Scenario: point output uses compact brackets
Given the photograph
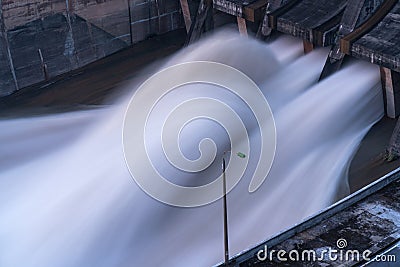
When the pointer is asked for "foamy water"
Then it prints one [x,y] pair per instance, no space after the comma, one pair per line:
[67,198]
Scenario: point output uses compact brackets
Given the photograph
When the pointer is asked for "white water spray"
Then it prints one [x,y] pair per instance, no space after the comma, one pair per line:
[67,199]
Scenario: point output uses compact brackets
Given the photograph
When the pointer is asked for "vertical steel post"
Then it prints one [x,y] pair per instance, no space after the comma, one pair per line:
[226,244]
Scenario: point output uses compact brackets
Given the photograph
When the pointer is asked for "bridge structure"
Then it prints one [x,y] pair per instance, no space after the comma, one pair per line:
[364,29]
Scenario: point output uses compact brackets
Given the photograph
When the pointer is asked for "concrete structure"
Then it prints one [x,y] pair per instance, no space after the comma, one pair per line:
[364,29]
[39,40]
[368,220]
[354,15]
[252,11]
[377,41]
[42,39]
[313,21]
[202,19]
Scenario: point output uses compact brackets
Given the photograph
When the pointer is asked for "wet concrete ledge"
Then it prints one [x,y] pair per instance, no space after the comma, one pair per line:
[368,219]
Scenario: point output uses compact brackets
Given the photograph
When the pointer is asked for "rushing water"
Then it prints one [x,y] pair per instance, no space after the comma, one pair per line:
[67,198]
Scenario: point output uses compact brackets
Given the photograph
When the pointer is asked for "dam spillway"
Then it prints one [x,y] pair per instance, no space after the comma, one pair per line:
[102,215]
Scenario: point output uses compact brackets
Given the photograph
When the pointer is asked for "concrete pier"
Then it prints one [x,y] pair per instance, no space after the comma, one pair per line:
[313,21]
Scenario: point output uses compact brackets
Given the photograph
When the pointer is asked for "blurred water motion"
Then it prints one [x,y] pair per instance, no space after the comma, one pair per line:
[67,198]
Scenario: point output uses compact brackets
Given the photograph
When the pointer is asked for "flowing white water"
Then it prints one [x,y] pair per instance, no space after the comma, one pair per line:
[67,199]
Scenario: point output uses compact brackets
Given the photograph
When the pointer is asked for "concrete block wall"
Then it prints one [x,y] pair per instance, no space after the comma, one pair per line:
[72,33]
[7,81]
[154,17]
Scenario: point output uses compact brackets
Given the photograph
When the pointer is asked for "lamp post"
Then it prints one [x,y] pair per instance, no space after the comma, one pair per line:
[225,207]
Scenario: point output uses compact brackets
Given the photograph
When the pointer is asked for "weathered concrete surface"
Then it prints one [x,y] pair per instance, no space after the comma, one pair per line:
[95,84]
[381,44]
[110,16]
[17,13]
[7,83]
[203,21]
[355,14]
[390,81]
[232,7]
[251,10]
[73,33]
[73,43]
[7,75]
[154,17]
[367,220]
[368,8]
[393,149]
[311,20]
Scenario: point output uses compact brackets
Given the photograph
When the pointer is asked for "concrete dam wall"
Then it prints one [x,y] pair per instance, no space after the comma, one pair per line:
[40,39]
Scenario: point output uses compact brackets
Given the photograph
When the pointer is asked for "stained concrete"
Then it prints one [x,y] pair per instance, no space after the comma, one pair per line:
[96,84]
[381,45]
[73,33]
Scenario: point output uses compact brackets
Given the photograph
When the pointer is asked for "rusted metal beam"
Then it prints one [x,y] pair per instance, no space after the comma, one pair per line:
[242,26]
[308,46]
[391,91]
[186,14]
[255,11]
